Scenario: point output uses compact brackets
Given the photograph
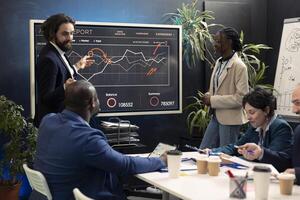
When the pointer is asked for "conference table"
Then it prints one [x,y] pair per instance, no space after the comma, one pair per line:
[193,186]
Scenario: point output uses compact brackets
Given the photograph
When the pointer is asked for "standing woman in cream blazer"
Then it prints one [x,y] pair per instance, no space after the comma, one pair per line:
[228,85]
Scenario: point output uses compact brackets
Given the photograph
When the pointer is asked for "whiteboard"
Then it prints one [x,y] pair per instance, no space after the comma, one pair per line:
[288,66]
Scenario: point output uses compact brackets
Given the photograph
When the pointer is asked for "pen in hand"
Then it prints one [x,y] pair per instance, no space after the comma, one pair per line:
[248,151]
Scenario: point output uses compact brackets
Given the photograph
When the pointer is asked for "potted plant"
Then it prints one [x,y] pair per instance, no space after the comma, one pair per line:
[18,141]
[256,68]
[195,32]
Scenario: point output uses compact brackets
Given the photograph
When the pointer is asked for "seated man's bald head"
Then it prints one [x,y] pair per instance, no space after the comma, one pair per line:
[79,95]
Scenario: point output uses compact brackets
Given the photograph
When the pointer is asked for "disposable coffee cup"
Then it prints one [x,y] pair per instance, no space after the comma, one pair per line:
[174,160]
[202,164]
[213,165]
[286,182]
[261,176]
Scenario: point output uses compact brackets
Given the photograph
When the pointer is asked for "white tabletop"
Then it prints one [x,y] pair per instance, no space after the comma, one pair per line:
[191,185]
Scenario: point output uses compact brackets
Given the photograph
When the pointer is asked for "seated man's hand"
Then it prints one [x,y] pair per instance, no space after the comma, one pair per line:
[250,151]
[164,158]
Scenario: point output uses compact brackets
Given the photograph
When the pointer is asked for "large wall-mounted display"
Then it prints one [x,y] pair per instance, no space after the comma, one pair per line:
[137,67]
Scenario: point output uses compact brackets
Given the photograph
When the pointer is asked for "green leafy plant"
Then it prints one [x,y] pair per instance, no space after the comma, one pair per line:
[256,68]
[20,140]
[198,117]
[195,32]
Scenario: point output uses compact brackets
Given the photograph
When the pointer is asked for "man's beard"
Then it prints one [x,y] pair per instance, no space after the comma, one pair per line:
[65,46]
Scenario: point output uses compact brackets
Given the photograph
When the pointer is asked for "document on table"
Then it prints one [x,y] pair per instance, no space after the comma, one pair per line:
[246,163]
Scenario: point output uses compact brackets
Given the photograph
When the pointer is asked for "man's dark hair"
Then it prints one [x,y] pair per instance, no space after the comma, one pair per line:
[78,95]
[261,99]
[233,35]
[51,25]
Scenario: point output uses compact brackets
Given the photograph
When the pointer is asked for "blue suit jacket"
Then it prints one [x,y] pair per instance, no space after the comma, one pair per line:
[296,151]
[72,154]
[50,75]
[277,144]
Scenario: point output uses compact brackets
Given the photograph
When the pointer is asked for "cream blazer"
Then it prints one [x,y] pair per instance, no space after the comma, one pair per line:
[233,85]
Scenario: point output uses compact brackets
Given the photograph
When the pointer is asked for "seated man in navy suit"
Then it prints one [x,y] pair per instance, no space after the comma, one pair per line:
[296,149]
[72,154]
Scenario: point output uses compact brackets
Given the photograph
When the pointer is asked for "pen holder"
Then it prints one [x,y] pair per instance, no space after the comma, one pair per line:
[237,187]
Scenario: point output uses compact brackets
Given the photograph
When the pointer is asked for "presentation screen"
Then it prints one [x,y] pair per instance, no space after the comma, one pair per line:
[137,69]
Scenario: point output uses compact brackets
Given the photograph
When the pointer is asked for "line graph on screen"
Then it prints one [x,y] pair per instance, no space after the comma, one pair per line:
[125,65]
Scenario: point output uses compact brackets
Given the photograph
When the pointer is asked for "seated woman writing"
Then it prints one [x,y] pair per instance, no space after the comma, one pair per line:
[268,138]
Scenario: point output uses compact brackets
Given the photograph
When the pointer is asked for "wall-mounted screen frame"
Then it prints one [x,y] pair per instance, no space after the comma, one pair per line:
[137,69]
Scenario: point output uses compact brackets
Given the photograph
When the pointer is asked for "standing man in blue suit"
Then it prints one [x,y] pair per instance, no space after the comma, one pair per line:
[72,154]
[53,70]
[296,149]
